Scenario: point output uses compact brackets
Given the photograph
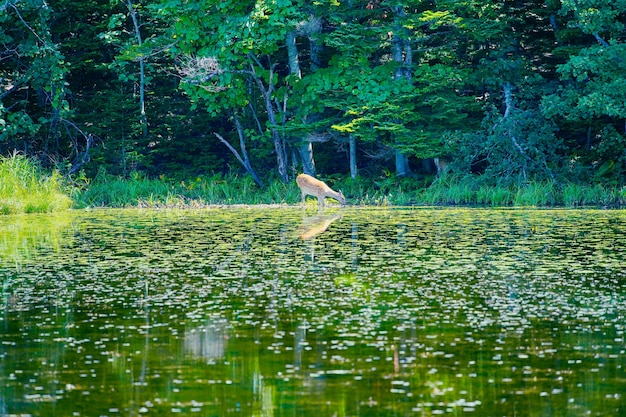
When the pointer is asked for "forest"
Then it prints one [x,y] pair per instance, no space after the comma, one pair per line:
[504,93]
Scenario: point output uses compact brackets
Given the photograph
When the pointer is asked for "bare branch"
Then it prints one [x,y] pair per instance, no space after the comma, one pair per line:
[230,147]
[310,27]
[243,156]
[81,158]
[319,137]
[198,70]
[383,152]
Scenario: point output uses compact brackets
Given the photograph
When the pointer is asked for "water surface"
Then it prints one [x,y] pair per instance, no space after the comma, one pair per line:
[277,312]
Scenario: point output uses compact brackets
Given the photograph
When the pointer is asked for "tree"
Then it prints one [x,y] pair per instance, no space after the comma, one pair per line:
[242,155]
[509,89]
[593,87]
[33,101]
[136,35]
[242,39]
[391,80]
[506,45]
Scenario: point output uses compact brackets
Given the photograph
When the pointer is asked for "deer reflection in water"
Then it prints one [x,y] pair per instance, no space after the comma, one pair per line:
[315,225]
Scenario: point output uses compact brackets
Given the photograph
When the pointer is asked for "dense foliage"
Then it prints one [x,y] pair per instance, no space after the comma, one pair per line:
[509,91]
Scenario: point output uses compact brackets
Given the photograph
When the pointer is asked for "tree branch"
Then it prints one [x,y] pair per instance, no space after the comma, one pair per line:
[81,158]
[244,163]
[600,40]
[230,147]
[19,15]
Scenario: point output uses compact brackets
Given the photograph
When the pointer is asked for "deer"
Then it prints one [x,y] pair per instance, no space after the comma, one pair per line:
[312,186]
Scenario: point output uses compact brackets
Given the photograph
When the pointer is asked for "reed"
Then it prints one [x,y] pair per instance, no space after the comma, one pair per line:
[25,188]
[577,195]
[449,190]
[494,196]
[536,194]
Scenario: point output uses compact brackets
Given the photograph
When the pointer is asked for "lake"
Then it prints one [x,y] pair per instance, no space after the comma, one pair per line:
[284,312]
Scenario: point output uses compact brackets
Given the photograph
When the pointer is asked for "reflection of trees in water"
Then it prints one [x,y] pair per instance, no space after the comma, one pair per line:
[208,342]
[402,317]
[3,406]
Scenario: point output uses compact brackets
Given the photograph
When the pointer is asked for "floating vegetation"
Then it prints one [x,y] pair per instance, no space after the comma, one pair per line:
[383,312]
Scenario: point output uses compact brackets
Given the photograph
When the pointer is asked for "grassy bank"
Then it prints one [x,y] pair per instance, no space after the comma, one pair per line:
[139,191]
[25,188]
[469,191]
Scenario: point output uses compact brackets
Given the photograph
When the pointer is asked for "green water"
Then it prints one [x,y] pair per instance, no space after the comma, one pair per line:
[276,312]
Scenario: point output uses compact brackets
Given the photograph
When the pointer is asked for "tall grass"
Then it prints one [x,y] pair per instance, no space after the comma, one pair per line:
[490,196]
[450,190]
[110,191]
[25,188]
[467,190]
[536,194]
[139,191]
[575,195]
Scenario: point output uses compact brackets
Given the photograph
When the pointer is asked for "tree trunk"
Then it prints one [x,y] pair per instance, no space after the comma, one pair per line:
[266,92]
[508,103]
[315,50]
[305,149]
[402,55]
[306,155]
[442,166]
[315,45]
[142,72]
[281,160]
[402,164]
[353,168]
[292,54]
[245,162]
[244,152]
